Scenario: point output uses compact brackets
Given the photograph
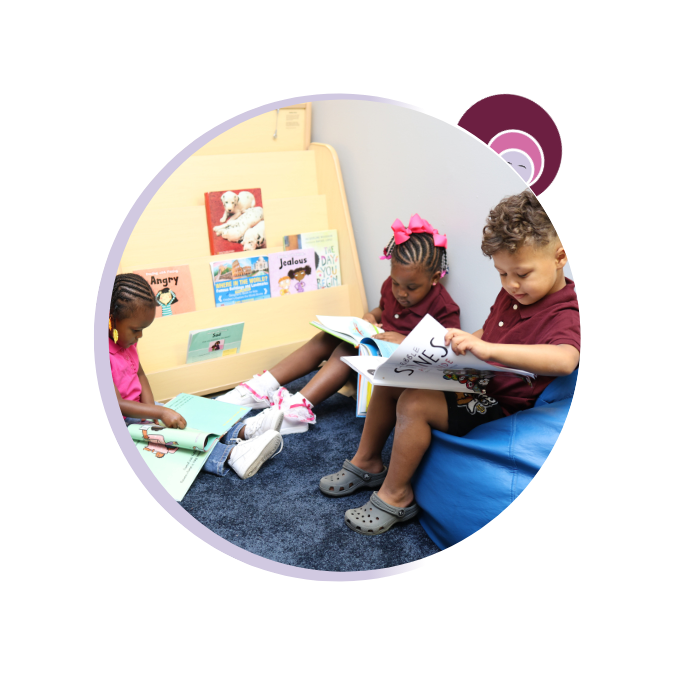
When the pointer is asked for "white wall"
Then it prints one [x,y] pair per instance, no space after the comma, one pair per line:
[397,162]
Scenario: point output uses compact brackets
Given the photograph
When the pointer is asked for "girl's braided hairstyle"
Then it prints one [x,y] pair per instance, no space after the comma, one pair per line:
[128,291]
[419,250]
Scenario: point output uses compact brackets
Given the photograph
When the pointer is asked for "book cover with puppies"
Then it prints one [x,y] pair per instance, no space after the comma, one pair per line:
[292,272]
[235,220]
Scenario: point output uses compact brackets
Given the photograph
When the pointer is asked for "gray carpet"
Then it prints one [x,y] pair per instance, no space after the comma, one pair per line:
[281,514]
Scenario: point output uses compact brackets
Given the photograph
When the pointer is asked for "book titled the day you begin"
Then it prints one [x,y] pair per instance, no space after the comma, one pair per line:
[240,280]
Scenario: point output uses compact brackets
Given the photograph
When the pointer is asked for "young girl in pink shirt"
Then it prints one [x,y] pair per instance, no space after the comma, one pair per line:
[245,447]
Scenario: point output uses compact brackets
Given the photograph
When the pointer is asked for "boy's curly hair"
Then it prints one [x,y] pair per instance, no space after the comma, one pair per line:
[516,221]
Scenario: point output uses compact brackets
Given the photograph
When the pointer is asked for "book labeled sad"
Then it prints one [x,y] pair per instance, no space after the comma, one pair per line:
[423,361]
[235,220]
[219,341]
[174,456]
[172,288]
[292,272]
[240,280]
[327,259]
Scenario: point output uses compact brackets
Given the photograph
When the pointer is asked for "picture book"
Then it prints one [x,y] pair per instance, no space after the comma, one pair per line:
[219,341]
[240,280]
[175,457]
[292,272]
[370,347]
[350,329]
[423,361]
[327,259]
[235,220]
[172,288]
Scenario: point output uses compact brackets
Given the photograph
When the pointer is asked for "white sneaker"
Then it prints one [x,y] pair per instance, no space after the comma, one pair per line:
[298,415]
[255,393]
[248,456]
[270,419]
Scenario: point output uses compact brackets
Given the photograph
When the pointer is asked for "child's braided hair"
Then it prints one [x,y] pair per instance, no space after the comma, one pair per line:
[419,250]
[128,291]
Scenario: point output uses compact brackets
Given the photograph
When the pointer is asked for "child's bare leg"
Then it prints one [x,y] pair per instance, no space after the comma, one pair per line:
[306,359]
[331,377]
[418,413]
[380,419]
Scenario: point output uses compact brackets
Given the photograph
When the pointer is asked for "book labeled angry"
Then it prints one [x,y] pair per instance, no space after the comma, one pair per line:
[172,288]
[235,220]
[327,260]
[240,280]
[292,272]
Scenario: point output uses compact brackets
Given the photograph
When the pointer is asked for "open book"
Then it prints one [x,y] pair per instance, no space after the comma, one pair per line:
[422,361]
[370,347]
[350,329]
[176,456]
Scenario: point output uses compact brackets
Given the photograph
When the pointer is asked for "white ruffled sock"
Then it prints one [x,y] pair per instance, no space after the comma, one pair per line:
[269,381]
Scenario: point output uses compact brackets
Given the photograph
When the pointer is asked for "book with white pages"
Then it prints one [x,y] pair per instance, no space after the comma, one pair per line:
[423,361]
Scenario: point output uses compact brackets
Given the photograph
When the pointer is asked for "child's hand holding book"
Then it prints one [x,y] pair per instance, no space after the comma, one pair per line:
[391,337]
[172,419]
[461,342]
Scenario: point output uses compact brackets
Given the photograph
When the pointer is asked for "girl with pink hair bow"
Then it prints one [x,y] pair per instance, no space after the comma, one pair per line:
[418,261]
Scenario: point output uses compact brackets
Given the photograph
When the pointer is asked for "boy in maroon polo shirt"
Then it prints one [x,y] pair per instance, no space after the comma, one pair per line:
[534,325]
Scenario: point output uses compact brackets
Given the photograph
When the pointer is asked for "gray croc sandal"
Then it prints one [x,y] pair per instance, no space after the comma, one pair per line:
[376,516]
[350,479]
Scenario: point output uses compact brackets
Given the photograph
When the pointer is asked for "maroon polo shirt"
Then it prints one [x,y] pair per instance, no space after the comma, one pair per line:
[437,303]
[553,320]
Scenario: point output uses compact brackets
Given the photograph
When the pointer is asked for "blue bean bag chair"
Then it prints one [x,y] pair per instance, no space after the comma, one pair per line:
[465,482]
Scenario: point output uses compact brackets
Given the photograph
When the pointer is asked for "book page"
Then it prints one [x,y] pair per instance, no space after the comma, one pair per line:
[352,326]
[172,438]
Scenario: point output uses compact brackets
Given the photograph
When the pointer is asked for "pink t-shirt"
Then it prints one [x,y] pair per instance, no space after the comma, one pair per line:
[124,366]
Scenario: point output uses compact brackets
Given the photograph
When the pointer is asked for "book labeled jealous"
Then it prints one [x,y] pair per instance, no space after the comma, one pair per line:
[240,280]
[327,260]
[235,220]
[292,272]
[172,288]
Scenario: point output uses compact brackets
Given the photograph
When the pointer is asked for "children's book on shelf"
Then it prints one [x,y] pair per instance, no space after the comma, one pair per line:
[350,329]
[292,272]
[175,456]
[240,280]
[235,220]
[172,287]
[423,361]
[327,258]
[219,341]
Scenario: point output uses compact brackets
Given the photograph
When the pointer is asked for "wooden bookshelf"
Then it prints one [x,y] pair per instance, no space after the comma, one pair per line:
[302,191]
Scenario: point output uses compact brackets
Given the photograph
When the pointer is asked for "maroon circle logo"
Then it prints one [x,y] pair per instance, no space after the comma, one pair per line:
[521,132]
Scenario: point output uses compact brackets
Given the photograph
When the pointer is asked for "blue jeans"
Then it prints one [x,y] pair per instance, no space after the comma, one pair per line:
[217,461]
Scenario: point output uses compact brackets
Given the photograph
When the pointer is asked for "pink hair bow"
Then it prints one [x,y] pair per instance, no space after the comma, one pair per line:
[415,225]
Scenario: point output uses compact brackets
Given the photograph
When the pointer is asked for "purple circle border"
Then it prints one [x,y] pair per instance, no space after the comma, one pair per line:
[109,399]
